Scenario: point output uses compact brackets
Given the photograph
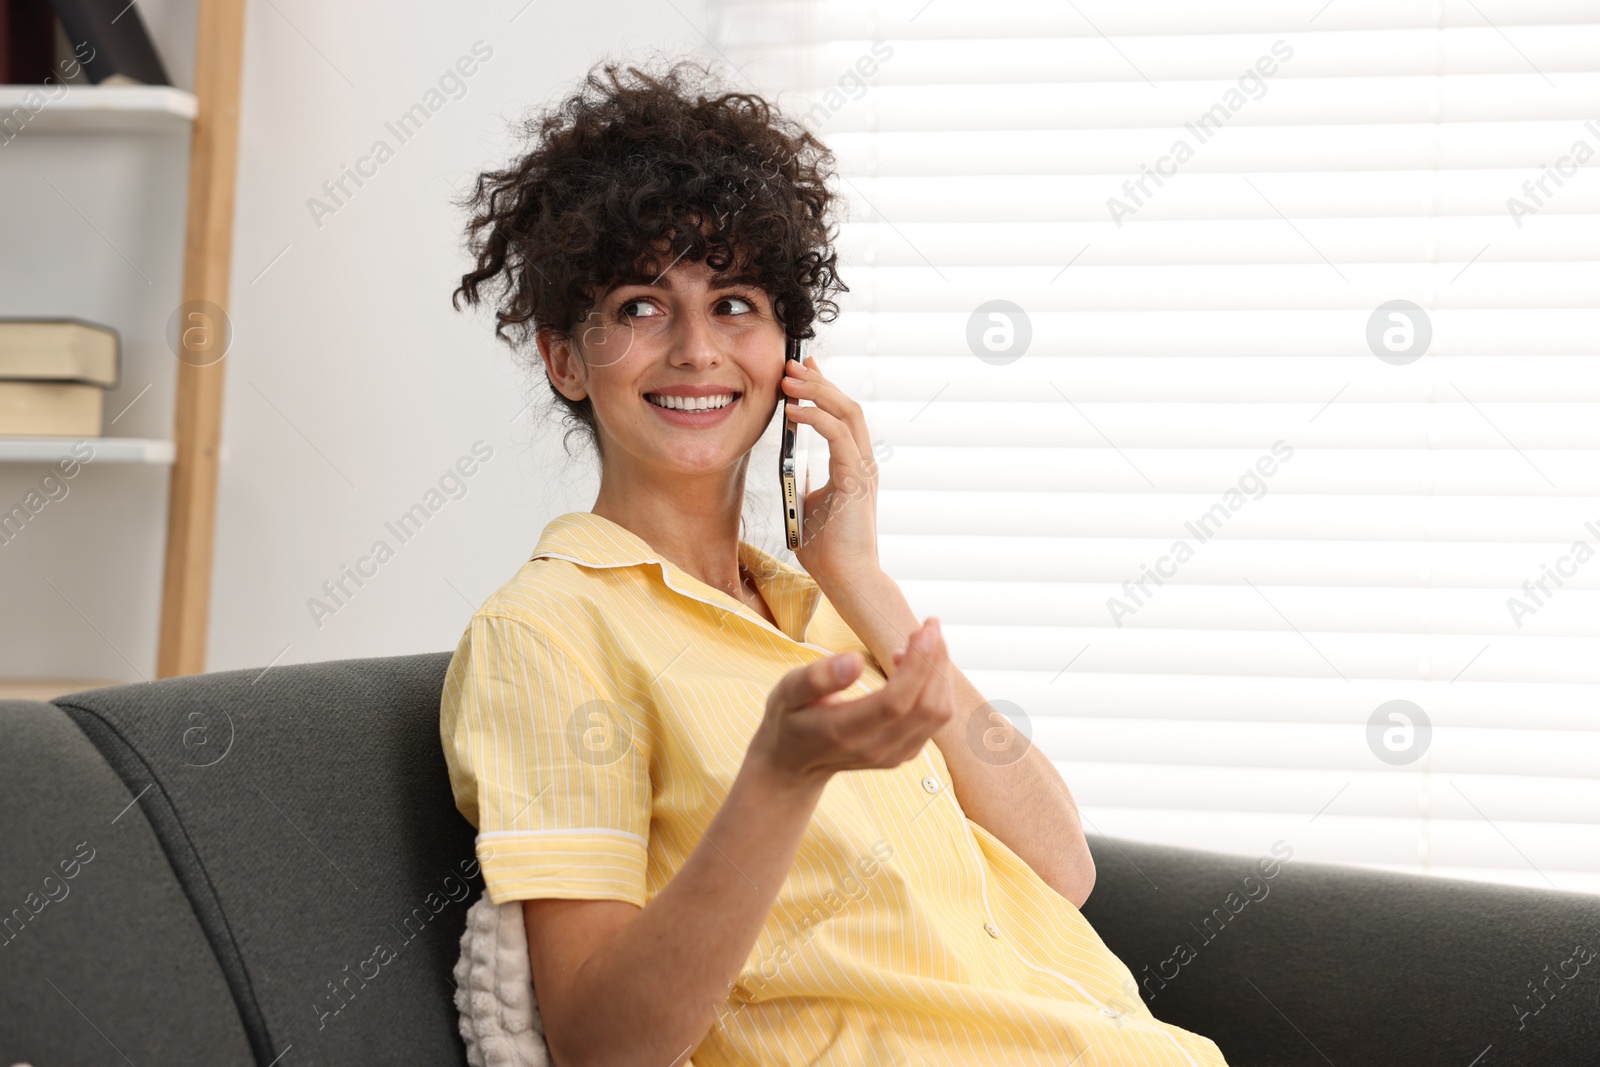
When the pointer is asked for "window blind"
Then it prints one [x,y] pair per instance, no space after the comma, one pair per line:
[1234,370]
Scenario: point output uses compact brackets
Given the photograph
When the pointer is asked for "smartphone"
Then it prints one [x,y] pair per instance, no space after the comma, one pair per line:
[792,459]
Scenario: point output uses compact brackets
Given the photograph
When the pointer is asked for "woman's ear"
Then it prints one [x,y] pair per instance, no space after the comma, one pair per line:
[563,364]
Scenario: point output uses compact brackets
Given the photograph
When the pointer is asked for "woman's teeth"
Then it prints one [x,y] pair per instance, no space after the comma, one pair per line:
[690,403]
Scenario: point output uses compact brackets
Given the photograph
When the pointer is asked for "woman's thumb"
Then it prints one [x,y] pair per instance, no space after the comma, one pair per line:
[817,679]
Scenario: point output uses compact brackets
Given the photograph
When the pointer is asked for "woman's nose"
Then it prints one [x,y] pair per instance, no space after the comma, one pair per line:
[696,344]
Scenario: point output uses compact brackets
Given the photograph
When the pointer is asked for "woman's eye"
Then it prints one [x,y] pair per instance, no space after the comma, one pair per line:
[622,308]
[748,305]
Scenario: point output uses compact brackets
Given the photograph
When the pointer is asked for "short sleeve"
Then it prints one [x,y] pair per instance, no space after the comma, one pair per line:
[546,763]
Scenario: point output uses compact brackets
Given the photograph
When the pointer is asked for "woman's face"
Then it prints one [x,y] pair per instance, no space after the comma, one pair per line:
[682,370]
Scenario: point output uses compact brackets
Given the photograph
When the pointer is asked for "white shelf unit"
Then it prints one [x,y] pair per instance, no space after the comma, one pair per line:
[94,109]
[97,108]
[51,130]
[106,449]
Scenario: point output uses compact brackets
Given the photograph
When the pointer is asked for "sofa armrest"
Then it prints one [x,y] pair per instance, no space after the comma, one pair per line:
[1318,964]
[101,957]
[306,813]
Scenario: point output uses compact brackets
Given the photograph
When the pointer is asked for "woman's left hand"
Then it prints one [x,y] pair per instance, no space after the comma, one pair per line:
[840,536]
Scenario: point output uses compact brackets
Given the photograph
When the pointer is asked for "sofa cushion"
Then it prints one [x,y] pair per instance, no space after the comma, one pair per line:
[101,957]
[307,814]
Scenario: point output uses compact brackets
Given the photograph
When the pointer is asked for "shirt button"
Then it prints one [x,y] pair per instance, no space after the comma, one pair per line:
[931,784]
[1108,1011]
[991,929]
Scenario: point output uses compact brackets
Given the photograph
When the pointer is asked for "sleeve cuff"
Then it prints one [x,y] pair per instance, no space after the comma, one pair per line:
[585,864]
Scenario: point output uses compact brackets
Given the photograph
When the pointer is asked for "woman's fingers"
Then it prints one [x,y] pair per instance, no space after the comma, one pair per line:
[816,680]
[929,660]
[811,725]
[807,383]
[924,643]
[916,662]
[845,440]
[843,451]
[827,395]
[885,711]
[852,477]
[847,478]
[883,728]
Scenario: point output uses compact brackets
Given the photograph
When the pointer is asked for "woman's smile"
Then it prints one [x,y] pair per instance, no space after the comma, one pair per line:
[697,406]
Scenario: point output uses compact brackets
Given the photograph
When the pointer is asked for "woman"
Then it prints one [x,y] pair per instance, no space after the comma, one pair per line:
[707,773]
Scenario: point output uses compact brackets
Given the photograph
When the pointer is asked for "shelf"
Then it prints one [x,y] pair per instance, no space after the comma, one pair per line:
[100,109]
[153,144]
[106,449]
[47,688]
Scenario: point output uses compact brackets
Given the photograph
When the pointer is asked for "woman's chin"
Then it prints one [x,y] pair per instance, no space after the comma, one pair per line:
[692,454]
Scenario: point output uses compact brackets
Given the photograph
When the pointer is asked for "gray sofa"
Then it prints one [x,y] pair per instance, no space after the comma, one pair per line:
[266,868]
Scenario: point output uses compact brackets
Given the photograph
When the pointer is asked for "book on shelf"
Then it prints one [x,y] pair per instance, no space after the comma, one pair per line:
[54,374]
[51,409]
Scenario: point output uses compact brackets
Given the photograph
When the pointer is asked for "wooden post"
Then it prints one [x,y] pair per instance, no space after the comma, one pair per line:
[197,422]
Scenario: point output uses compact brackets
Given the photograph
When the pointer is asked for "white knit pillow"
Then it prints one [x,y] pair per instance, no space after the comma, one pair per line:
[494,989]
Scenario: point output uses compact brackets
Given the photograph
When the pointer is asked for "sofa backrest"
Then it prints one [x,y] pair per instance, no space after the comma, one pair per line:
[307,815]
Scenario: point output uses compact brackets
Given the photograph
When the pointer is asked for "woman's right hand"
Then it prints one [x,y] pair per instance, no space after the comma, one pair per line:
[809,732]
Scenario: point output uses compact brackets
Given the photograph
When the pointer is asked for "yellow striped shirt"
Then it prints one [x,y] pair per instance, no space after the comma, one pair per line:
[593,718]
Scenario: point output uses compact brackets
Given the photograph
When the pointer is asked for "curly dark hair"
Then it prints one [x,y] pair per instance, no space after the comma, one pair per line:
[638,169]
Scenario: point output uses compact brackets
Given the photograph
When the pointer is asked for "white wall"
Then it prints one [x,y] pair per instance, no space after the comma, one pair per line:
[352,385]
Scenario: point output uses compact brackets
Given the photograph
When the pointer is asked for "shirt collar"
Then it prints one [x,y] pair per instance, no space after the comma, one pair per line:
[591,540]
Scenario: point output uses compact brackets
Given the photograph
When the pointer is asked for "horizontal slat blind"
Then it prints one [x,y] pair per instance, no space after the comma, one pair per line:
[1199,291]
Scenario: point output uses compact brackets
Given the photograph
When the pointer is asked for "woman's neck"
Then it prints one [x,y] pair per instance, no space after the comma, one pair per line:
[695,526]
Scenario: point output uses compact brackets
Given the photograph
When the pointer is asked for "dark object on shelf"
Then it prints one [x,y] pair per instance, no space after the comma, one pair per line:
[27,41]
[121,49]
